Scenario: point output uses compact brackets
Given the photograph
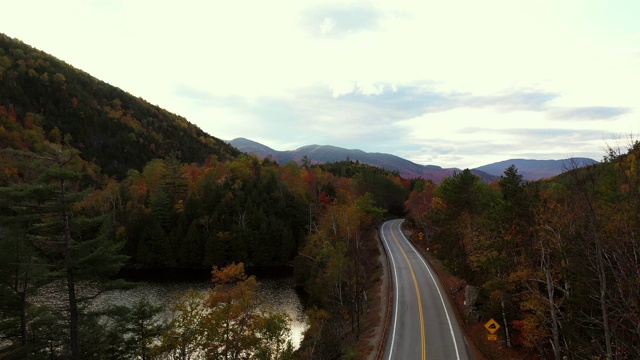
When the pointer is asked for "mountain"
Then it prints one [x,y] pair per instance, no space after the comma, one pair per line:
[327,153]
[530,169]
[536,169]
[110,127]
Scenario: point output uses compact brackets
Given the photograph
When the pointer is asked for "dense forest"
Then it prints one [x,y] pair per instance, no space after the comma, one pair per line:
[557,261]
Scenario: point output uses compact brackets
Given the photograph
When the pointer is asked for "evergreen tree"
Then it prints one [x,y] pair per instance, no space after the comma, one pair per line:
[192,248]
[153,246]
[21,273]
[74,246]
[174,181]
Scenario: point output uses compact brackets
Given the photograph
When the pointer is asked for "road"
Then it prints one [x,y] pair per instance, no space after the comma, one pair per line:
[423,324]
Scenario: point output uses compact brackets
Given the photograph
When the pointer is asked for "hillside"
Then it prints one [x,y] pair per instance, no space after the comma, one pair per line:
[112,128]
[530,169]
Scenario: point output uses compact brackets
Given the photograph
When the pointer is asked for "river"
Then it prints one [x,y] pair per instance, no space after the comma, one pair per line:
[277,292]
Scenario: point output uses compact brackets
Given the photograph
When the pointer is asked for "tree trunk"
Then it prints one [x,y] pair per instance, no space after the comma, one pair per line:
[594,236]
[603,301]
[504,321]
[546,261]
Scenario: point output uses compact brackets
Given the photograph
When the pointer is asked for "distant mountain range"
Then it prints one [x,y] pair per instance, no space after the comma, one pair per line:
[529,169]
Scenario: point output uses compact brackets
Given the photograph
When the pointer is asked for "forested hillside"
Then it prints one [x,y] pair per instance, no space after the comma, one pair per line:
[556,262]
[110,127]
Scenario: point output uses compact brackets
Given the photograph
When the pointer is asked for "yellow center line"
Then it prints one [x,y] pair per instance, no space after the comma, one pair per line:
[415,282]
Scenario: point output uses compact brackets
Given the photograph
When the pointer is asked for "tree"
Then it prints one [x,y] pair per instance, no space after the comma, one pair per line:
[184,336]
[141,327]
[461,201]
[20,275]
[226,323]
[233,308]
[76,246]
[175,181]
[273,342]
[584,191]
[418,205]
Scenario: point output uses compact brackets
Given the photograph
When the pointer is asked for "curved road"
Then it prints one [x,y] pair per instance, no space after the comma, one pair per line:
[423,324]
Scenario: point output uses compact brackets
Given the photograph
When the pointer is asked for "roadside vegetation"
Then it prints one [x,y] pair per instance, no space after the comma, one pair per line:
[555,262]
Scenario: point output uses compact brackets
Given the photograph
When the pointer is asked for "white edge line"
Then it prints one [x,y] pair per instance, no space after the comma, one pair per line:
[395,290]
[455,344]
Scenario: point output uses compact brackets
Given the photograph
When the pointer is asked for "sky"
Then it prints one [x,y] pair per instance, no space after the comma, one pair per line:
[451,83]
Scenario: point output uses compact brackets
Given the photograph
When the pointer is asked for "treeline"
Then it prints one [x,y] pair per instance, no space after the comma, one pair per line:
[67,229]
[556,262]
[194,216]
[112,128]
[338,265]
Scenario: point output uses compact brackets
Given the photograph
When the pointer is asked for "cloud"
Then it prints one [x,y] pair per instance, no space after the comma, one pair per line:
[483,146]
[423,97]
[396,102]
[340,20]
[313,115]
[589,113]
[205,98]
[516,100]
[191,92]
[414,120]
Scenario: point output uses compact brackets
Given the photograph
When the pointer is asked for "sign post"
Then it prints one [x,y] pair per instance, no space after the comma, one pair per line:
[492,326]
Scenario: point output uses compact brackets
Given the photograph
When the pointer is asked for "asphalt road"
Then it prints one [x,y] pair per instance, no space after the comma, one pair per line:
[423,324]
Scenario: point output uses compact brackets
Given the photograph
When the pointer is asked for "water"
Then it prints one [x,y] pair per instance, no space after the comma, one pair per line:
[278,294]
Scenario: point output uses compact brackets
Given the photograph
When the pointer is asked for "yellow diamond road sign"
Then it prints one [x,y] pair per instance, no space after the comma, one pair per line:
[492,326]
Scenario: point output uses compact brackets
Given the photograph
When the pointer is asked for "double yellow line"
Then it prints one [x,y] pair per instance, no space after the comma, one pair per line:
[415,282]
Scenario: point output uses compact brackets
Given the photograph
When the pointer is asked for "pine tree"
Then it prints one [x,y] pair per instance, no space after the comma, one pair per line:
[75,247]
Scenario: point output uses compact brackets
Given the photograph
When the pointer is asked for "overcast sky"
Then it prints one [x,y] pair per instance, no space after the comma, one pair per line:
[451,83]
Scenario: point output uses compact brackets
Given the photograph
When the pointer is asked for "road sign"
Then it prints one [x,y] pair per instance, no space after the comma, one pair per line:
[492,337]
[492,326]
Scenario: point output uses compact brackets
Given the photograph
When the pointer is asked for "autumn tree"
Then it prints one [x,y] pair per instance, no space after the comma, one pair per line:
[184,335]
[334,262]
[226,322]
[418,205]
